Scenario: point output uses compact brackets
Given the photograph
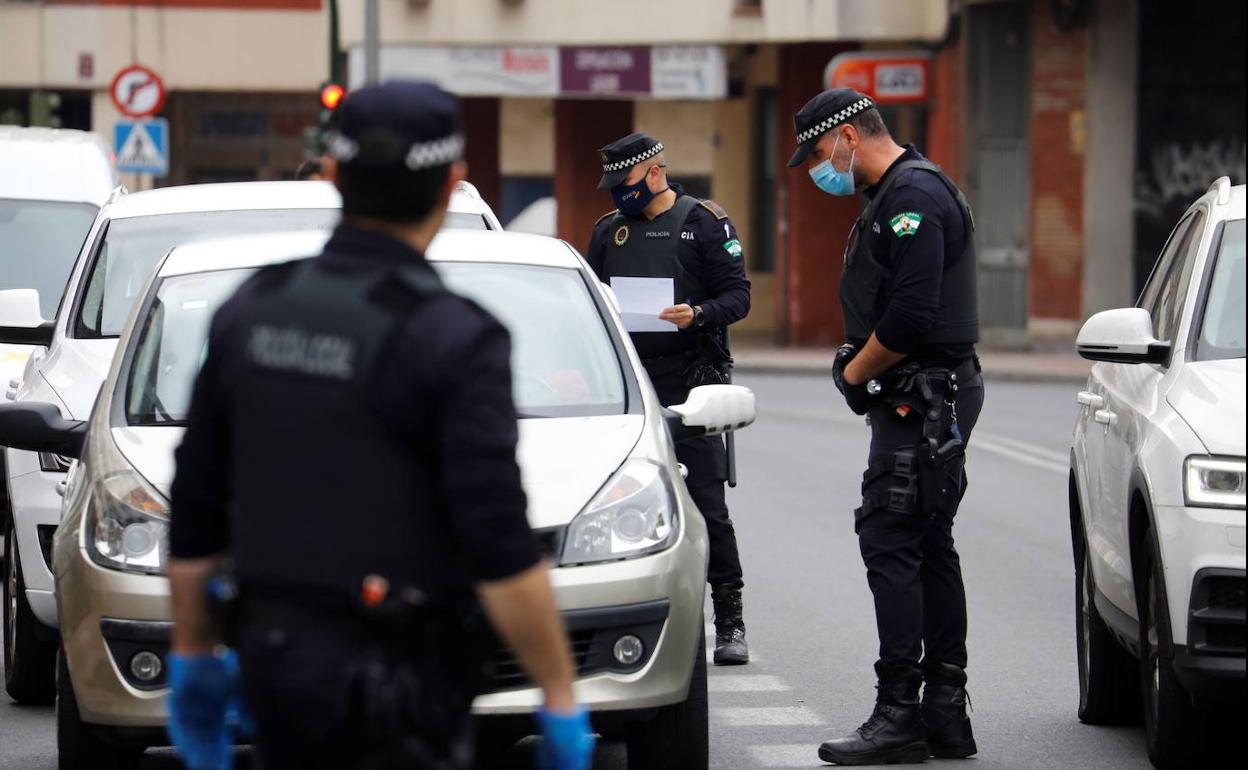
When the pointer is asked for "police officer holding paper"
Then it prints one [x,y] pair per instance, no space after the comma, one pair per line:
[658,233]
[909,364]
[350,455]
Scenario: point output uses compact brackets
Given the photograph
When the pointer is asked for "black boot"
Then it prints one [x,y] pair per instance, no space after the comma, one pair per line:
[894,733]
[944,712]
[730,646]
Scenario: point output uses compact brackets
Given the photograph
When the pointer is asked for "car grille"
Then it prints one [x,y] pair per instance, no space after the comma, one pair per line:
[506,672]
[1217,621]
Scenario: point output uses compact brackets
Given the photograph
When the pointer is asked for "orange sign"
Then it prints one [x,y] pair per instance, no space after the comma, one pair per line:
[888,77]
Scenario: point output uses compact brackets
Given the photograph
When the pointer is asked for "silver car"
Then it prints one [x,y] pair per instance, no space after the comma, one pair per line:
[606,496]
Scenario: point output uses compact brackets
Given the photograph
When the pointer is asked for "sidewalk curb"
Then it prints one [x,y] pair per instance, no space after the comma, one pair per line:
[991,373]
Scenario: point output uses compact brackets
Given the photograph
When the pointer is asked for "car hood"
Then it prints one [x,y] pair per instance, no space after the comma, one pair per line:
[564,461]
[76,370]
[1209,396]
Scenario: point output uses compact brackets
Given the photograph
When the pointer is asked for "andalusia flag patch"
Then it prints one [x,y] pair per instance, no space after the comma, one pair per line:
[906,223]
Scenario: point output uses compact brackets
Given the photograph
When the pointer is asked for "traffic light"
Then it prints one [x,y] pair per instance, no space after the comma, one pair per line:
[331,96]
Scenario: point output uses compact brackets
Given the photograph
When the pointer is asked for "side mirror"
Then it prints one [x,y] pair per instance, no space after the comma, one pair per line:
[37,426]
[21,322]
[711,410]
[1122,336]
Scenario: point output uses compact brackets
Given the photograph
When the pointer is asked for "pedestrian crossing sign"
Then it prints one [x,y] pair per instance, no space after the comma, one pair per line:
[142,146]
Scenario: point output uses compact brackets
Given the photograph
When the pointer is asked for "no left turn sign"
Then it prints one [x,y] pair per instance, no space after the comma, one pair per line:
[137,92]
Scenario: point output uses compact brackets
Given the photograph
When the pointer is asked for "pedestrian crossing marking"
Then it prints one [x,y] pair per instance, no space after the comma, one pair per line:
[745,683]
[787,755]
[767,716]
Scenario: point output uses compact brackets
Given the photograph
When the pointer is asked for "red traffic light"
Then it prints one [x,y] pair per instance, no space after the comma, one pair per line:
[331,95]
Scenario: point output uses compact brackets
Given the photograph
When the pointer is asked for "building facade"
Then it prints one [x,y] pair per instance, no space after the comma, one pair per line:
[1078,128]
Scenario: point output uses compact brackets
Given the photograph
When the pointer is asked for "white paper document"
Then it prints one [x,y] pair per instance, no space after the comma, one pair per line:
[641,301]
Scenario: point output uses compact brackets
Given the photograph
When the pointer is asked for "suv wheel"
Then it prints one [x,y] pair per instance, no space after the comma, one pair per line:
[678,737]
[1170,721]
[80,746]
[29,662]
[1108,693]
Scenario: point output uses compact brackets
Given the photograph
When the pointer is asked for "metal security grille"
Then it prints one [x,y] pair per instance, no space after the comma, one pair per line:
[997,171]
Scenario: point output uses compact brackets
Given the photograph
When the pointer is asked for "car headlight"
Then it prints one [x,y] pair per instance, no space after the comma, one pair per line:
[128,528]
[633,515]
[1215,482]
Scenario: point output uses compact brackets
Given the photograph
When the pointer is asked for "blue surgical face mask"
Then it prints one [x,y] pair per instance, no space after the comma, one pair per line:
[632,199]
[831,181]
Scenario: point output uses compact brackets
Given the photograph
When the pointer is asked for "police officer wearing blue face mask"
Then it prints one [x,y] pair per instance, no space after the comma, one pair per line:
[350,449]
[657,231]
[909,364]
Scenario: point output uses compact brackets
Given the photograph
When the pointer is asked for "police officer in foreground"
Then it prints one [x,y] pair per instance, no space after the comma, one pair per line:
[909,364]
[350,452]
[657,231]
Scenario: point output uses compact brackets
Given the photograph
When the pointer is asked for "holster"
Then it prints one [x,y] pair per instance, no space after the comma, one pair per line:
[929,477]
[711,363]
[407,693]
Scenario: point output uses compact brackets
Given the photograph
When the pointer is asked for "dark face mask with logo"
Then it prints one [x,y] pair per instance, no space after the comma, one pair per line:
[632,199]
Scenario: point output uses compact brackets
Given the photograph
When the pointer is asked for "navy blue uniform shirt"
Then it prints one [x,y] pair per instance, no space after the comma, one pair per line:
[916,259]
[710,250]
[445,389]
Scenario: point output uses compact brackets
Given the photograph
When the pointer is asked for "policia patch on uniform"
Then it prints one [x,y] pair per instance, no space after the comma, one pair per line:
[621,235]
[906,223]
[733,248]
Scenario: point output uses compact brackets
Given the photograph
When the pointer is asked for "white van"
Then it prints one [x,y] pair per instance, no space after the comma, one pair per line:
[52,184]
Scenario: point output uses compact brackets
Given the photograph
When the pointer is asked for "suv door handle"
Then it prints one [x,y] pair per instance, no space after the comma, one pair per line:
[1105,417]
[1090,399]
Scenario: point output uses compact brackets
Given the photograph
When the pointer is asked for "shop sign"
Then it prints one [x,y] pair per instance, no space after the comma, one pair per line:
[662,72]
[889,77]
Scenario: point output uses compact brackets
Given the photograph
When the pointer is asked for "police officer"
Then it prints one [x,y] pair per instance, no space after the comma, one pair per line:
[657,231]
[908,296]
[350,449]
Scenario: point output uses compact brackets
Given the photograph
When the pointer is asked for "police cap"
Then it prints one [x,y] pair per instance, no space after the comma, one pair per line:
[408,123]
[619,157]
[824,113]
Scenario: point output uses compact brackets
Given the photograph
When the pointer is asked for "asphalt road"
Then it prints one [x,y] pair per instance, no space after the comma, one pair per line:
[808,610]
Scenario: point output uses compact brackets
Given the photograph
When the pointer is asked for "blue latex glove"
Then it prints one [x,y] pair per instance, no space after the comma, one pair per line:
[205,698]
[567,740]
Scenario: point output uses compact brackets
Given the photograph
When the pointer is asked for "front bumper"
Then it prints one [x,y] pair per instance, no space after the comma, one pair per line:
[1203,555]
[36,508]
[107,616]
[612,591]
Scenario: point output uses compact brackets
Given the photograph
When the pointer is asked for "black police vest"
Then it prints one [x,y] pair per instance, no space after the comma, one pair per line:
[649,249]
[865,284]
[323,492]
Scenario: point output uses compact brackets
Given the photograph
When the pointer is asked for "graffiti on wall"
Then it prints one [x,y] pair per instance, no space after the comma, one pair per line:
[1176,173]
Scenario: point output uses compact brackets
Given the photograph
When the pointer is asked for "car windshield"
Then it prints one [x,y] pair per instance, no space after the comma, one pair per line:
[1222,321]
[563,363]
[39,242]
[132,246]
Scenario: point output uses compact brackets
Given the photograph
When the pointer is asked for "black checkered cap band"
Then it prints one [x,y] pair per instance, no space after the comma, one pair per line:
[835,120]
[419,156]
[633,161]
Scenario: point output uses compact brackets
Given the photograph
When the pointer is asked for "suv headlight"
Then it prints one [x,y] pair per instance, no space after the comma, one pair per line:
[633,515]
[1214,482]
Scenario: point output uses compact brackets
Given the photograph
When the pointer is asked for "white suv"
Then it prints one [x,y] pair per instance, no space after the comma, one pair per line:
[1157,491]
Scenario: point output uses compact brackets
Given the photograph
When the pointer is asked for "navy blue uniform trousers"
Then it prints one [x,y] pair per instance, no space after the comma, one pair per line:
[912,565]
